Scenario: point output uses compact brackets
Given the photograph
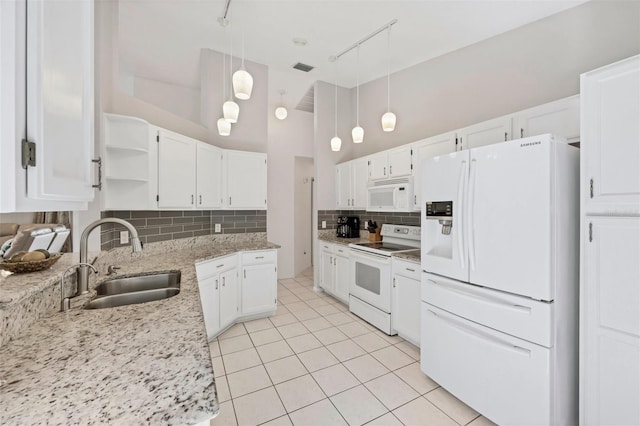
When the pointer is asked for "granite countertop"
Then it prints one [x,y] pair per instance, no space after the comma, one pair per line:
[411,256]
[136,364]
[331,238]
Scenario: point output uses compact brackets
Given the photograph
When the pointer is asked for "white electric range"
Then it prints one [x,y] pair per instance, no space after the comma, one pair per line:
[370,289]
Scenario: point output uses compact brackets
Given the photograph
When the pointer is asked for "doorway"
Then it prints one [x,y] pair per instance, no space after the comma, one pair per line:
[302,214]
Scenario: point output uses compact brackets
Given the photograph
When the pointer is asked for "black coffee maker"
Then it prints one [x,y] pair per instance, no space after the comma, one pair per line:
[348,227]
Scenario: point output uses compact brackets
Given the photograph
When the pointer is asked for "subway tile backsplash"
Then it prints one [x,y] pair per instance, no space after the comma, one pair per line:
[331,216]
[153,226]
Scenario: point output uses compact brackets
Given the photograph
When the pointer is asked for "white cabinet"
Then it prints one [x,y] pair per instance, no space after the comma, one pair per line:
[335,270]
[208,176]
[259,282]
[610,138]
[610,322]
[344,186]
[405,300]
[176,171]
[246,180]
[561,118]
[351,185]
[218,285]
[485,133]
[327,276]
[49,102]
[391,163]
[428,148]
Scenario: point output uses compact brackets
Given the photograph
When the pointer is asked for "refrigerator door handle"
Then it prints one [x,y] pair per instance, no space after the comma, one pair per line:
[470,213]
[460,213]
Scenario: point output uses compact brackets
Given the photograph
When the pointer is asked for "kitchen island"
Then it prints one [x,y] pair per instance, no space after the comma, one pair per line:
[137,364]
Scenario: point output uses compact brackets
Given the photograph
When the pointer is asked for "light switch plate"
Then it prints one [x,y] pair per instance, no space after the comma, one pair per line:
[324,224]
[217,227]
[124,237]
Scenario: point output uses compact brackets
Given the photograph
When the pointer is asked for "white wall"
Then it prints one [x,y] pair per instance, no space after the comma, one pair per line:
[303,181]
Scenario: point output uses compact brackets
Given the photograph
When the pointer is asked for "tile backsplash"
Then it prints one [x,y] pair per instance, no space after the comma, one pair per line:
[164,225]
[331,216]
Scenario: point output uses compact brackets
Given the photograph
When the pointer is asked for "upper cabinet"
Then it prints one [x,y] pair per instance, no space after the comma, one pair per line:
[390,164]
[176,171]
[351,184]
[48,103]
[485,133]
[428,148]
[209,176]
[246,180]
[344,186]
[560,118]
[610,138]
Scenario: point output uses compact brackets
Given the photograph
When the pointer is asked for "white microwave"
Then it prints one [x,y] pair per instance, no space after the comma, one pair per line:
[394,195]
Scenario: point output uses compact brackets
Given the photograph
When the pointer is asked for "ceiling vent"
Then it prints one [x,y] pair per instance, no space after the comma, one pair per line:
[303,67]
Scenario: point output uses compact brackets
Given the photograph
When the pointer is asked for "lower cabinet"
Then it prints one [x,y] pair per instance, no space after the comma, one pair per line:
[335,270]
[228,296]
[405,300]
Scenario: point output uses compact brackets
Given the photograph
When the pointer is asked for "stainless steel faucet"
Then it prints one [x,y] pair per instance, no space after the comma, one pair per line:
[65,302]
[83,271]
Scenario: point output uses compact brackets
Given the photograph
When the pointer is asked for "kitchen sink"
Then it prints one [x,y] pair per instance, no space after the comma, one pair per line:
[134,289]
[139,282]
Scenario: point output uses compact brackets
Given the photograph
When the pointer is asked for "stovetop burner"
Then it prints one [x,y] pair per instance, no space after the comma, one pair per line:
[388,247]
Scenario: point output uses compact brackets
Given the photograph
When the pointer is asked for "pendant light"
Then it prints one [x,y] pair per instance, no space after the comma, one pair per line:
[388,118]
[357,133]
[336,142]
[281,111]
[224,127]
[242,80]
[230,109]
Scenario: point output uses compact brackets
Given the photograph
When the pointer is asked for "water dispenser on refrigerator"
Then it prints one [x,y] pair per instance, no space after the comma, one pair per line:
[437,228]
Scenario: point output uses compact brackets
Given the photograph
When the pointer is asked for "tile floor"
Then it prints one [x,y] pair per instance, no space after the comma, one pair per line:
[314,363]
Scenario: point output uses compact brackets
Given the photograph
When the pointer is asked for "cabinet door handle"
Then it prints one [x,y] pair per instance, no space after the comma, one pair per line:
[410,270]
[200,199]
[259,257]
[223,282]
[521,132]
[216,284]
[415,200]
[98,161]
[394,283]
[384,171]
[245,273]
[191,199]
[220,266]
[229,200]
[390,170]
[505,136]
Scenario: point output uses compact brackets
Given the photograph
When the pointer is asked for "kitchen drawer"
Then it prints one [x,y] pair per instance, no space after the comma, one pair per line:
[341,250]
[258,257]
[208,268]
[325,246]
[506,379]
[518,316]
[406,268]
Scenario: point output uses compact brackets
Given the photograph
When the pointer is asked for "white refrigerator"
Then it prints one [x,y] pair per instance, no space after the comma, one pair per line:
[499,311]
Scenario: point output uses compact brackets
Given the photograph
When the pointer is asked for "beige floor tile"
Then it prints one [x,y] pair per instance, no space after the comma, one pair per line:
[292,330]
[281,310]
[371,342]
[214,349]
[327,310]
[285,300]
[317,302]
[258,407]
[222,389]
[409,349]
[235,344]
[412,375]
[280,421]
[297,306]
[387,420]
[240,360]
[306,314]
[353,329]
[285,369]
[482,421]
[247,381]
[392,357]
[330,335]
[263,337]
[339,318]
[218,366]
[422,412]
[321,413]
[316,324]
[335,379]
[452,406]
[307,295]
[392,391]
[272,351]
[257,325]
[303,343]
[341,307]
[300,392]
[391,339]
[317,359]
[226,415]
[358,405]
[366,368]
[345,350]
[233,331]
[284,319]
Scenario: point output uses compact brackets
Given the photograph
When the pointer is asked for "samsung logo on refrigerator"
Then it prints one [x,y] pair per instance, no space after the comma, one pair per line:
[530,144]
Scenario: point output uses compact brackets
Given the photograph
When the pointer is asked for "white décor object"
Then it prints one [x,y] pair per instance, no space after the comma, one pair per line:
[242,80]
[388,119]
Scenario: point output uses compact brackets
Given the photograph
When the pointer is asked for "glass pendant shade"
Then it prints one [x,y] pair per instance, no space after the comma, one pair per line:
[230,111]
[242,84]
[357,134]
[224,127]
[281,113]
[336,143]
[388,121]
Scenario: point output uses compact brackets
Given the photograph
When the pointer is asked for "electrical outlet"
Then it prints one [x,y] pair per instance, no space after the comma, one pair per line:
[217,228]
[124,237]
[324,224]
[366,224]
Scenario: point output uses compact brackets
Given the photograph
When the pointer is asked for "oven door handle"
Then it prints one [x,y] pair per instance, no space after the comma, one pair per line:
[372,257]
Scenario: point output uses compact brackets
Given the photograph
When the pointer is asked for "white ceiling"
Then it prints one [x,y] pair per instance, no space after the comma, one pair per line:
[161,39]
